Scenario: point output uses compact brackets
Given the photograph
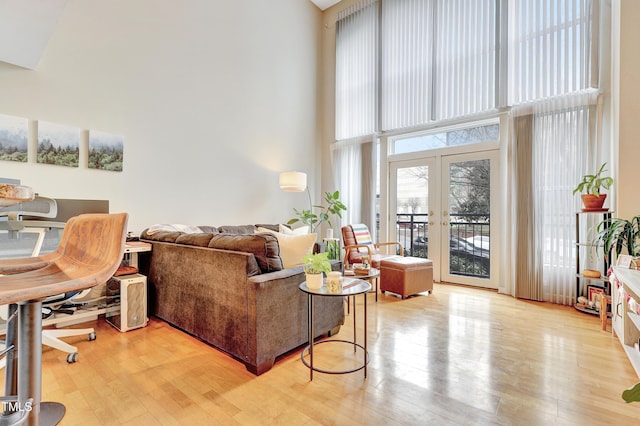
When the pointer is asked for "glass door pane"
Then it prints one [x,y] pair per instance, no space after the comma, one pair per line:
[469,213]
[412,197]
[469,218]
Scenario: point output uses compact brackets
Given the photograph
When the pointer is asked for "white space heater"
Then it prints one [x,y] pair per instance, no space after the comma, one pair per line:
[127,297]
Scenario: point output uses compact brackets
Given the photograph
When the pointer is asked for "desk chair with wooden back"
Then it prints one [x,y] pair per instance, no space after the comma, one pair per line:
[90,251]
[34,217]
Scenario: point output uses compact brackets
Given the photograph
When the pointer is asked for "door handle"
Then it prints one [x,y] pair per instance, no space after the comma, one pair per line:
[445,223]
[430,223]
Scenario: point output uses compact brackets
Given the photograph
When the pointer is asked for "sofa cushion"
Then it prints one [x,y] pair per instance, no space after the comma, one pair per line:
[263,246]
[293,248]
[163,236]
[166,227]
[270,227]
[237,229]
[200,240]
[297,231]
[209,229]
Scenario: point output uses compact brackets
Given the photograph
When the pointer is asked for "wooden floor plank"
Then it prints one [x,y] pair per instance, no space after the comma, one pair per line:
[461,355]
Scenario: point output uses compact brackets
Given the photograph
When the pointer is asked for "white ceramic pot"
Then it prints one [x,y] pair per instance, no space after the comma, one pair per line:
[314,281]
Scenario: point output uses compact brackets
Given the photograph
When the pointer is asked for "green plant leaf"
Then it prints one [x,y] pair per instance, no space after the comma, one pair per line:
[617,234]
[591,183]
[317,263]
[632,394]
[309,217]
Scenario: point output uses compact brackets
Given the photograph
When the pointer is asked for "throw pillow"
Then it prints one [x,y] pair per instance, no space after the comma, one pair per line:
[298,231]
[293,248]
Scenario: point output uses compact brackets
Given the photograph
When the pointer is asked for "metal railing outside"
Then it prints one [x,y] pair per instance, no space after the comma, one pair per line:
[468,241]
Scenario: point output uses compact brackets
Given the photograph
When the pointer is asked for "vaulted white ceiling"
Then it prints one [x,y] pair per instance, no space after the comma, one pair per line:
[27,25]
[25,29]
[325,4]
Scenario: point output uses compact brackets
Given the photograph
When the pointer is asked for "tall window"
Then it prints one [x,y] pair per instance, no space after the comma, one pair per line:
[356,80]
[404,66]
[442,60]
[407,71]
[465,57]
[553,50]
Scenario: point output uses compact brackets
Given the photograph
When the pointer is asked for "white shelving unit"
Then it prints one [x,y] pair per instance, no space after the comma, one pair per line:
[626,324]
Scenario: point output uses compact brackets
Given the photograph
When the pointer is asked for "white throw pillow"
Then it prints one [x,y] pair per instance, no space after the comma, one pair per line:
[298,231]
[293,248]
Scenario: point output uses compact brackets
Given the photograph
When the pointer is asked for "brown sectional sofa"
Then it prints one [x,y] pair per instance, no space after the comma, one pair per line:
[227,287]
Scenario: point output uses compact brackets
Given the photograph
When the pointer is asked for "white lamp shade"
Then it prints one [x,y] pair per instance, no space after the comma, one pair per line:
[293,181]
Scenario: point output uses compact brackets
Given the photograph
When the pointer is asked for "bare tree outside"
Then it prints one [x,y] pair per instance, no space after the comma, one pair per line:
[470,191]
[413,203]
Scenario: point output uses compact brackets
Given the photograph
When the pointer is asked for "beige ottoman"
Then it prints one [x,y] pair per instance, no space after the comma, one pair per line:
[406,275]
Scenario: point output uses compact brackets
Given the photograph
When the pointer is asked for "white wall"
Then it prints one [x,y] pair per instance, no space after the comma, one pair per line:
[626,92]
[214,99]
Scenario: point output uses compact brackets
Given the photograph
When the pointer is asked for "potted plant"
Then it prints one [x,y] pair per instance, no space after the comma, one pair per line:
[314,220]
[616,234]
[590,188]
[314,266]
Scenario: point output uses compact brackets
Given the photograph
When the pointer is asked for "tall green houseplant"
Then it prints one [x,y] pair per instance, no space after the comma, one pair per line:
[617,234]
[333,207]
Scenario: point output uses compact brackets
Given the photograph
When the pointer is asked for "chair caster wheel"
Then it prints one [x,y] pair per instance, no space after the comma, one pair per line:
[92,336]
[71,358]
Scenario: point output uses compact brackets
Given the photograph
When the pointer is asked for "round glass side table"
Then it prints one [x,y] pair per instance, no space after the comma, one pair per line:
[351,287]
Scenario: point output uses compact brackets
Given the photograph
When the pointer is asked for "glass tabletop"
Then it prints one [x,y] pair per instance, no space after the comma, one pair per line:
[350,286]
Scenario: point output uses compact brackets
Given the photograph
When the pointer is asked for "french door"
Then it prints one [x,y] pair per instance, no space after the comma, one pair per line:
[443,207]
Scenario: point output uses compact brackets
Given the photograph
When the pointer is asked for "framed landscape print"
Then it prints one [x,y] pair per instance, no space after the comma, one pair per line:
[58,144]
[106,151]
[14,134]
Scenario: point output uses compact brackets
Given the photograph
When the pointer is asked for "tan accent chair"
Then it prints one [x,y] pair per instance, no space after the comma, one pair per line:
[89,253]
[354,255]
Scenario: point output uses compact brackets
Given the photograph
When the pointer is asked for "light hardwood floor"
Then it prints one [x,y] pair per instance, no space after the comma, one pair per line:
[461,356]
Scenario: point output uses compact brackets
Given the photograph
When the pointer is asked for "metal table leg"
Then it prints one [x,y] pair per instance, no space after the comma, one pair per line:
[30,367]
[366,353]
[310,320]
[354,324]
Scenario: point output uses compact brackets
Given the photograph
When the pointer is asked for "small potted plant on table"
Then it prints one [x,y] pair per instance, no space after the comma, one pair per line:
[590,187]
[314,266]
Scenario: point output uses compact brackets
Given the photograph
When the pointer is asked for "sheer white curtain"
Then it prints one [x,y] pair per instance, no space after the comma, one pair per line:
[553,144]
[347,166]
[357,64]
[552,48]
[553,67]
[465,57]
[439,60]
[407,51]
[356,70]
[564,141]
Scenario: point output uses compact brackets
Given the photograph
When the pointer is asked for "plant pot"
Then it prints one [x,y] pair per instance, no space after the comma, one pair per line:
[593,202]
[314,281]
